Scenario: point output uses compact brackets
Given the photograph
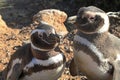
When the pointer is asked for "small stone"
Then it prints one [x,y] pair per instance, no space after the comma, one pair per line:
[16,47]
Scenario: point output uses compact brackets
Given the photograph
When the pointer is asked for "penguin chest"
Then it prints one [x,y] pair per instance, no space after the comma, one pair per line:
[52,74]
[50,69]
[89,67]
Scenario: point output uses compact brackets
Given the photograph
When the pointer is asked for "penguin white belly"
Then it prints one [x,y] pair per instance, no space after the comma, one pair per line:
[53,74]
[86,64]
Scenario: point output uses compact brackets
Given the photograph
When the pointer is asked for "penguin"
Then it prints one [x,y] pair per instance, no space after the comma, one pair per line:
[96,51]
[41,59]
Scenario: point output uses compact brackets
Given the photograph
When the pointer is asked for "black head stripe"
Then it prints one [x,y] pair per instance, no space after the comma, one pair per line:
[44,26]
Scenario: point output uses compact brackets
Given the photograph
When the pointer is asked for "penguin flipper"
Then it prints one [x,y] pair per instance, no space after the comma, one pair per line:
[12,73]
[116,74]
[73,68]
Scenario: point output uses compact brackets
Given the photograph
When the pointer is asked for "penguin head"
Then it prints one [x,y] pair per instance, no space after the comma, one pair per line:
[92,20]
[44,37]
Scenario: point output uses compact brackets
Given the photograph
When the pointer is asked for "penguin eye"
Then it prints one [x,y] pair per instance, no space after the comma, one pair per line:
[42,35]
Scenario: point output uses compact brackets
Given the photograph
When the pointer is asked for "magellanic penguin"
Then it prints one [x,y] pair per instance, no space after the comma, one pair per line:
[39,60]
[96,51]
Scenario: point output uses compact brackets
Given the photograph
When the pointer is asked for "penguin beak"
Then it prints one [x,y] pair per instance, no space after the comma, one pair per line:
[56,37]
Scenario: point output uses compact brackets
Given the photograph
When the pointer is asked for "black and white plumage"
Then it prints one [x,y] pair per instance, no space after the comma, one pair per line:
[96,51]
[39,60]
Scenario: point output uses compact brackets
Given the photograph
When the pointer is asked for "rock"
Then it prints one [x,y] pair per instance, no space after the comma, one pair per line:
[2,23]
[7,41]
[71,19]
[54,18]
[4,29]
[3,26]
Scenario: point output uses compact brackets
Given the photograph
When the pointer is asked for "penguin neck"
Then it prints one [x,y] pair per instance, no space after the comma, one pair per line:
[95,37]
[42,55]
